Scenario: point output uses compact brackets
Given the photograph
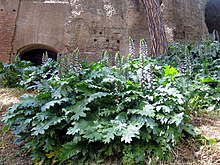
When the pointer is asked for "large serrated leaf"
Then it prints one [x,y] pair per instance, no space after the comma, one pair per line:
[109,137]
[40,128]
[11,113]
[92,135]
[62,91]
[73,130]
[49,143]
[41,116]
[194,131]
[147,110]
[151,123]
[53,103]
[177,119]
[78,110]
[69,150]
[84,87]
[29,101]
[165,108]
[21,127]
[97,95]
[130,132]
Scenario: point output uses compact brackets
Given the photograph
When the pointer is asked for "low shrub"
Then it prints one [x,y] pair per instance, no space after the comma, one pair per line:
[199,65]
[11,74]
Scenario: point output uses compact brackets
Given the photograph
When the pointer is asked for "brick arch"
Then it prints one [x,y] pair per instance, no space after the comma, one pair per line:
[35,46]
[31,40]
[34,53]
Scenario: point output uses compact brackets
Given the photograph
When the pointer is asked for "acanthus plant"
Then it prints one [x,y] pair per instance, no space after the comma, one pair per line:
[11,74]
[33,74]
[103,111]
[199,66]
[135,111]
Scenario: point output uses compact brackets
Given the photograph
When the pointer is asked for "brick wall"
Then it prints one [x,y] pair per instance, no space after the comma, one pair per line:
[92,26]
[8,15]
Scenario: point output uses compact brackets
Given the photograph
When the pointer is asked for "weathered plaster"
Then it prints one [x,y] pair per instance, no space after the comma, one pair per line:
[92,25]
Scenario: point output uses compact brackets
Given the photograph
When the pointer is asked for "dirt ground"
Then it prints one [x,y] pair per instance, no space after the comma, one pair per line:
[207,152]
[189,152]
[10,154]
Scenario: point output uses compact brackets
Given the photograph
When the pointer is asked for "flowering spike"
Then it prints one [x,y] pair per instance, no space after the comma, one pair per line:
[131,50]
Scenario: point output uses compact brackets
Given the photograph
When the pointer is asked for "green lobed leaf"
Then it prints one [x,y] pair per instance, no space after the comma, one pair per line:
[131,131]
[148,110]
[53,103]
[177,119]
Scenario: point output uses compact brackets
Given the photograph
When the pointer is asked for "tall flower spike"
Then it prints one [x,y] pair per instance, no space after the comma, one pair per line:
[142,59]
[179,62]
[131,50]
[64,62]
[143,48]
[118,59]
[188,61]
[74,61]
[59,64]
[12,58]
[145,73]
[105,57]
[146,48]
[45,57]
[215,35]
[17,57]
[150,77]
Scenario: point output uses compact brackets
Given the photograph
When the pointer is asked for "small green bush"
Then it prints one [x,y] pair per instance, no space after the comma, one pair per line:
[10,74]
[199,65]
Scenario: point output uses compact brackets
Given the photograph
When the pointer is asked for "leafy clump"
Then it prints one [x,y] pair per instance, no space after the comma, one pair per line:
[135,111]
[33,74]
[199,65]
[102,111]
[10,74]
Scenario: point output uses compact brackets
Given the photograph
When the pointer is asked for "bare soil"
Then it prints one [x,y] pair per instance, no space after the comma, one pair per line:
[188,152]
[10,154]
[201,153]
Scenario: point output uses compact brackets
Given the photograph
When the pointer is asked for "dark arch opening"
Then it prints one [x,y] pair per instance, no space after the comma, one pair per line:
[212,15]
[34,53]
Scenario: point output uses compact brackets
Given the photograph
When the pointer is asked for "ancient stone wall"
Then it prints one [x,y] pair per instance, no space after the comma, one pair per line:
[185,19]
[40,23]
[95,26]
[91,25]
[8,15]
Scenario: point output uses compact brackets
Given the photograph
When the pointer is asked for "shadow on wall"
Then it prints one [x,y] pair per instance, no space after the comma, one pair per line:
[34,53]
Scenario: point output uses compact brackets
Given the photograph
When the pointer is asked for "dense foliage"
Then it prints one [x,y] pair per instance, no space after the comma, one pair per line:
[199,65]
[10,74]
[135,111]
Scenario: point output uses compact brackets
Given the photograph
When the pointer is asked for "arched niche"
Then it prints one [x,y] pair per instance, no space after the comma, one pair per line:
[212,15]
[34,53]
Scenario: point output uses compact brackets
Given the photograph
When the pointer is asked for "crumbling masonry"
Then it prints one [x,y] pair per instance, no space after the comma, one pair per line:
[29,27]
